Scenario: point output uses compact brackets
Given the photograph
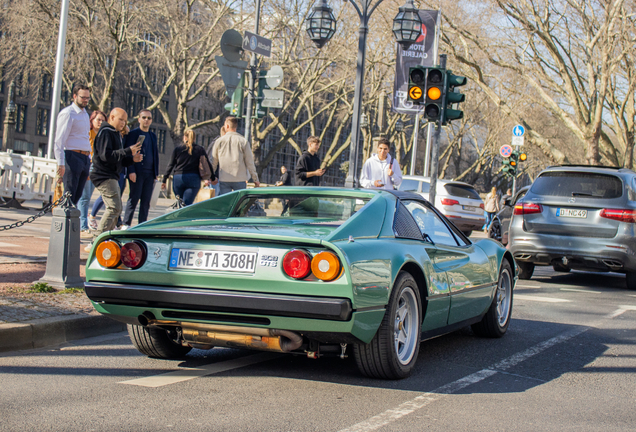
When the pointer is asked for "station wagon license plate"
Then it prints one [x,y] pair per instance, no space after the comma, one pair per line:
[571,213]
[470,208]
[215,260]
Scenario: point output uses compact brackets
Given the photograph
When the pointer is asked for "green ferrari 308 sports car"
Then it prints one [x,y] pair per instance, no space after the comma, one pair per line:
[302,270]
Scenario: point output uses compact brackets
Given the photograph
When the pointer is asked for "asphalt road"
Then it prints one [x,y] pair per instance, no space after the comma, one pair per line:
[568,363]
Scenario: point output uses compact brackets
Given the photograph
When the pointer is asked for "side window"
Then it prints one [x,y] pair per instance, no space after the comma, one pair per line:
[430,224]
[631,190]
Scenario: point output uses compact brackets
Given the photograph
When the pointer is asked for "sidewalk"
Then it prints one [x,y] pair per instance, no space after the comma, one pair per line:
[37,319]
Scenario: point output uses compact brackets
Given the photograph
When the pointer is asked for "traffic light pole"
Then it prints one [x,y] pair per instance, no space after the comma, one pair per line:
[514,177]
[436,138]
[252,84]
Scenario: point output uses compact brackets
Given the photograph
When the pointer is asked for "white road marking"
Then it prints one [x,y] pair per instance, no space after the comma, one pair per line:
[581,290]
[421,401]
[631,295]
[527,286]
[628,307]
[540,299]
[2,244]
[188,374]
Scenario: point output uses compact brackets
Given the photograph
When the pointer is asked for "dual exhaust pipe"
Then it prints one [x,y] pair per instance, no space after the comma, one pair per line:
[207,336]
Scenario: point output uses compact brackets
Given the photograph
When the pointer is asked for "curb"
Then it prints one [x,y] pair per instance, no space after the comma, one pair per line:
[44,332]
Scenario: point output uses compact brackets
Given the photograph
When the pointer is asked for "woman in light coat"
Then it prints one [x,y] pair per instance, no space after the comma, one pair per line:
[491,205]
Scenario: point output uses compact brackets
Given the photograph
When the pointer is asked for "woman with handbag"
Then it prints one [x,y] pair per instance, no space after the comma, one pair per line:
[190,164]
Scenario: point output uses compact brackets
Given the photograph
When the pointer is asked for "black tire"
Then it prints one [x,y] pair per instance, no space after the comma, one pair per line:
[496,321]
[560,268]
[155,342]
[494,232]
[386,357]
[525,270]
[467,233]
[630,279]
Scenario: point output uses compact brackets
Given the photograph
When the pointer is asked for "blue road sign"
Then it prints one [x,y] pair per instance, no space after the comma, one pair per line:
[505,150]
[518,130]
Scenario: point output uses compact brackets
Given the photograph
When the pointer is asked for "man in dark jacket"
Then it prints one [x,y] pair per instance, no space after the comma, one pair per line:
[308,171]
[109,158]
[142,175]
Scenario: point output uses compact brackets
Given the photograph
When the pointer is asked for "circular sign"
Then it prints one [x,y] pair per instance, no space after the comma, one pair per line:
[253,42]
[231,45]
[274,77]
[415,92]
[518,130]
[505,150]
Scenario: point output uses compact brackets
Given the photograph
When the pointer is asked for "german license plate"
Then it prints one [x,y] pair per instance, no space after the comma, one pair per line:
[215,260]
[470,208]
[571,213]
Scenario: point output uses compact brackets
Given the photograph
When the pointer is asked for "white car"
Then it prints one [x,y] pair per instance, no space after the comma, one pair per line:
[458,201]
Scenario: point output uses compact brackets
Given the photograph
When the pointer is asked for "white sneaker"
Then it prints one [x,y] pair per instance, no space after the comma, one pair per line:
[123,227]
[92,222]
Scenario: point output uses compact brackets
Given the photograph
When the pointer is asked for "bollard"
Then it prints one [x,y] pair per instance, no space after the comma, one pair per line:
[63,260]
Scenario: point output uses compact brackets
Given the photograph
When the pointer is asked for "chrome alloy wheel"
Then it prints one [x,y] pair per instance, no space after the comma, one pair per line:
[504,296]
[406,330]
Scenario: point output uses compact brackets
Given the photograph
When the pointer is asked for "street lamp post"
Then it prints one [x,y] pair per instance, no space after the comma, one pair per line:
[9,120]
[406,28]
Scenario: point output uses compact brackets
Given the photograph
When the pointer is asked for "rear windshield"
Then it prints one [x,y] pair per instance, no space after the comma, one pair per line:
[409,185]
[462,191]
[323,209]
[577,184]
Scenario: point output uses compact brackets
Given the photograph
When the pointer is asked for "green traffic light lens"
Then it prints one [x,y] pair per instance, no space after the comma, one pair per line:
[431,111]
[417,76]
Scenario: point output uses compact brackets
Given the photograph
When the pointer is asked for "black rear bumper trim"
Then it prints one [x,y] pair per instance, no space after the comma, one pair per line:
[209,300]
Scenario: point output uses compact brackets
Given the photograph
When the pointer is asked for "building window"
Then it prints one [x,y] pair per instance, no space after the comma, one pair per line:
[45,88]
[20,118]
[42,122]
[161,141]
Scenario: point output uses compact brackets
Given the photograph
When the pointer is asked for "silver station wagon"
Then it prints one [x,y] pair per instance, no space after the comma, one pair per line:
[577,217]
[456,200]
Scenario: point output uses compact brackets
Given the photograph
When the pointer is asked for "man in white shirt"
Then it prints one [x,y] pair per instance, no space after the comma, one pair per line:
[72,144]
[233,156]
[381,171]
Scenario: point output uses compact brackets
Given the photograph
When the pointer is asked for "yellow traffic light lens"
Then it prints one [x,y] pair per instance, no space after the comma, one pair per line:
[523,157]
[415,93]
[434,93]
[513,163]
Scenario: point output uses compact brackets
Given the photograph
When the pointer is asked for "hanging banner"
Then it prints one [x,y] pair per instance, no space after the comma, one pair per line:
[422,53]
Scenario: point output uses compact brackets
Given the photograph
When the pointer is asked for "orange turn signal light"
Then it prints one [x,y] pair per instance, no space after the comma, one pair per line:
[434,93]
[108,254]
[325,266]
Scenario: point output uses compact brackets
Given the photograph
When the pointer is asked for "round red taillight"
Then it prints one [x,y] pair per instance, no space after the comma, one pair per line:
[297,264]
[133,254]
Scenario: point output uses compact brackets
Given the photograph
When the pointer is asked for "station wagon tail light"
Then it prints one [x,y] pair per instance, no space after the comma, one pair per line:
[449,202]
[133,254]
[325,266]
[622,215]
[297,264]
[108,254]
[481,206]
[527,208]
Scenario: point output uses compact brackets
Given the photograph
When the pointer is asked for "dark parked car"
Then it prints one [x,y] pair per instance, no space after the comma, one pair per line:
[577,217]
[501,223]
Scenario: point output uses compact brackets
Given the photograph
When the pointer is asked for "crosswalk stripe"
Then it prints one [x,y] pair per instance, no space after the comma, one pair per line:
[581,291]
[540,299]
[188,374]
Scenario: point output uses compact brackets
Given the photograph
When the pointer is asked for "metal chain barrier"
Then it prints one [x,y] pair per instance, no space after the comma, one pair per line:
[64,201]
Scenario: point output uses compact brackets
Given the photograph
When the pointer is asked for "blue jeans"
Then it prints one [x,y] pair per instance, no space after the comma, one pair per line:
[489,218]
[227,187]
[186,186]
[140,190]
[84,202]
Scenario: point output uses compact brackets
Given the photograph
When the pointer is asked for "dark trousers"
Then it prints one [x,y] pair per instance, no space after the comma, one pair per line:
[140,190]
[76,173]
[186,186]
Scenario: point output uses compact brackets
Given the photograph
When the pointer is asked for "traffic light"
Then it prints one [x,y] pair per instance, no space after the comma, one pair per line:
[509,166]
[453,81]
[260,110]
[434,93]
[235,107]
[417,81]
